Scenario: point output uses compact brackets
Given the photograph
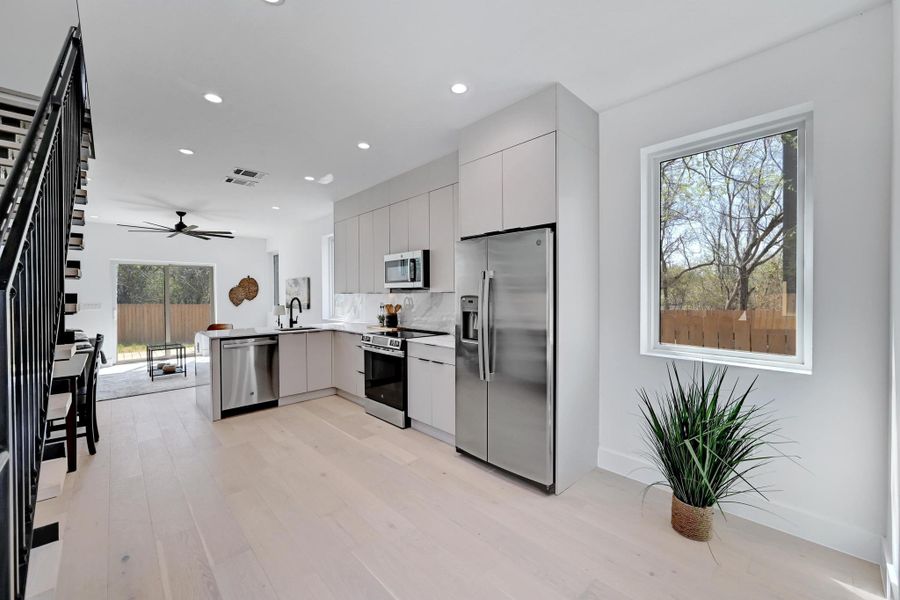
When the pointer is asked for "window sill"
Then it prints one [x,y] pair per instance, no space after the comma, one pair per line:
[747,360]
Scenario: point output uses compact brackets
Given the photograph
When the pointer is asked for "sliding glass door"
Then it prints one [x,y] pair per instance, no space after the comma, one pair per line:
[159,303]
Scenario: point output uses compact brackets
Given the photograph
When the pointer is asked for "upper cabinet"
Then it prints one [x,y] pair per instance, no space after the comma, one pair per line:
[399,227]
[366,249]
[442,238]
[529,183]
[481,196]
[418,223]
[510,189]
[381,245]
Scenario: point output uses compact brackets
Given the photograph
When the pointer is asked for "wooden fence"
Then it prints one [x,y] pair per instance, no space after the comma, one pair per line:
[145,323]
[767,331]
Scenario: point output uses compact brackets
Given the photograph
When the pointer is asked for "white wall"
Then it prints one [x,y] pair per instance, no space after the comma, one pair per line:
[892,539]
[232,259]
[838,415]
[299,248]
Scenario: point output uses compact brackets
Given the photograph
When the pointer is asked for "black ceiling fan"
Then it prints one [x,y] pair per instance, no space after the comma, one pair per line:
[180,228]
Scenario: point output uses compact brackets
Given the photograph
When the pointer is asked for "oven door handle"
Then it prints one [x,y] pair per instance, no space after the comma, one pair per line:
[385,351]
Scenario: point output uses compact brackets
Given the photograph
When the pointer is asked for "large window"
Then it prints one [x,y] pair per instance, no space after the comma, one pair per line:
[727,245]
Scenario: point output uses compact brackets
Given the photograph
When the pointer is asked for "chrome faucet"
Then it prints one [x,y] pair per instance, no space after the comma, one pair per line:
[291,320]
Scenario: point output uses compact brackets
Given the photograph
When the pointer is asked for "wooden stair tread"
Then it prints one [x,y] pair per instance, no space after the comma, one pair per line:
[43,571]
[58,404]
[53,478]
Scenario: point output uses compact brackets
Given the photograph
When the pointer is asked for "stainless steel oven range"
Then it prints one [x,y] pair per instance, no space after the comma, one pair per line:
[385,374]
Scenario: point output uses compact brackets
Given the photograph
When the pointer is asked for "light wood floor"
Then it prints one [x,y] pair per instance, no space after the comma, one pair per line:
[319,500]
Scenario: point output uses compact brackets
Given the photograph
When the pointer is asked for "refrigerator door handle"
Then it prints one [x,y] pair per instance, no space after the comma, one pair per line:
[481,328]
[488,324]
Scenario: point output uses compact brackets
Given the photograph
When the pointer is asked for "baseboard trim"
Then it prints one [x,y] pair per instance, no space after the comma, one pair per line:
[285,400]
[351,397]
[434,432]
[888,573]
[794,521]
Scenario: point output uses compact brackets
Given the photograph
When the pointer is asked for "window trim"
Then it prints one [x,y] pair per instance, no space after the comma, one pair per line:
[328,276]
[797,117]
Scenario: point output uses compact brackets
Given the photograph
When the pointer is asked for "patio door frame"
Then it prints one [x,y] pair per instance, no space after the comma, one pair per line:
[167,312]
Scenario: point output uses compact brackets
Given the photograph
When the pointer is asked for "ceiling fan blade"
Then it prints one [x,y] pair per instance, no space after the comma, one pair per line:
[147,231]
[197,235]
[158,225]
[190,228]
[174,234]
[213,231]
[218,236]
[141,227]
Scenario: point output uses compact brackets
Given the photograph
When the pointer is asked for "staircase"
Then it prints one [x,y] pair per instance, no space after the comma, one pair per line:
[45,144]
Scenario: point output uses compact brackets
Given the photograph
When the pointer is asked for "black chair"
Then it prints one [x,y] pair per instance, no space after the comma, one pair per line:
[86,401]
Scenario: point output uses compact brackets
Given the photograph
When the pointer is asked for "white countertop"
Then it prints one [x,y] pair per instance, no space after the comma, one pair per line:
[359,328]
[444,341]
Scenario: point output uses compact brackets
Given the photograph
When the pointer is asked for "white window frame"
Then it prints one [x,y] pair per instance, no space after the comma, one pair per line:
[797,117]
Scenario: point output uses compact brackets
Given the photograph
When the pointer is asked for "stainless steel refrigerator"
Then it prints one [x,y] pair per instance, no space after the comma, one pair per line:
[504,352]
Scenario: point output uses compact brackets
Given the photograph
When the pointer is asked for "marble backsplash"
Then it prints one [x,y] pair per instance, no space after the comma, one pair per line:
[421,310]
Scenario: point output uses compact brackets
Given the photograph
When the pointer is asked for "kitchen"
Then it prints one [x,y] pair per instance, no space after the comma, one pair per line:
[465,253]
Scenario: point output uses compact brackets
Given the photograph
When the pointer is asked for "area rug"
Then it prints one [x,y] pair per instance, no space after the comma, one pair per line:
[131,379]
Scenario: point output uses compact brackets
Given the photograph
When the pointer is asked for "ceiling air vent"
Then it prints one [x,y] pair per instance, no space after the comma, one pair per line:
[240,181]
[248,173]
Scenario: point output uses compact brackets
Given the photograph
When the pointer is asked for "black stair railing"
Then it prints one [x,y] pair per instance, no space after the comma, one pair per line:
[35,219]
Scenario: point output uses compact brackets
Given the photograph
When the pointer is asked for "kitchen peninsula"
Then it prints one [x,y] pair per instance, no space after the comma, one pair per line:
[240,369]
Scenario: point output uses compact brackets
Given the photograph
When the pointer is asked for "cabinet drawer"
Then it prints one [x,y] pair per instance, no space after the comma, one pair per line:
[435,353]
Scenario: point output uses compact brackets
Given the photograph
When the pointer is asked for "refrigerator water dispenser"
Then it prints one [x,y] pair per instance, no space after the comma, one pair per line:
[469,308]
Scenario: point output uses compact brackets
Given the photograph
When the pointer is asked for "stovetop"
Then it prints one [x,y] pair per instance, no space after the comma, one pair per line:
[394,339]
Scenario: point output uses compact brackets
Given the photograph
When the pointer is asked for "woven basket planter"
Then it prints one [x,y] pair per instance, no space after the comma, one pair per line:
[690,521]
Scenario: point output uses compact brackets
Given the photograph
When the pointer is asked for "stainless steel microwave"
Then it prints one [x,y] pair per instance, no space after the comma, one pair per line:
[406,269]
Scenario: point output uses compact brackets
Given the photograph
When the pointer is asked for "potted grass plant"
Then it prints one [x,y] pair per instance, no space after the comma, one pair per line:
[707,441]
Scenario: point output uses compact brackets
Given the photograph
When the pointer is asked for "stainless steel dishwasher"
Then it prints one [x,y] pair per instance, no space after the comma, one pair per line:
[249,372]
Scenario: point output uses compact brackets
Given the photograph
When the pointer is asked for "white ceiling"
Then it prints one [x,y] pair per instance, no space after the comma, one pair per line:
[305,81]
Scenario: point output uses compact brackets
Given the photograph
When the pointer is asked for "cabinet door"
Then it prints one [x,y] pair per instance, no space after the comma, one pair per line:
[442,237]
[529,183]
[340,257]
[481,196]
[419,389]
[381,242]
[291,364]
[399,227]
[318,360]
[418,223]
[366,249]
[358,366]
[443,397]
[352,254]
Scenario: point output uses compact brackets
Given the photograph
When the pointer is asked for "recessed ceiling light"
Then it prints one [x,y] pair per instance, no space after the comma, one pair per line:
[95,217]
[214,98]
[459,88]
[309,178]
[274,2]
[276,208]
[363,145]
[186,151]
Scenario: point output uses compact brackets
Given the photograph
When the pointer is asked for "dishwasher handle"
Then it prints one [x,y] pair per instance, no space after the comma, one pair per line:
[250,342]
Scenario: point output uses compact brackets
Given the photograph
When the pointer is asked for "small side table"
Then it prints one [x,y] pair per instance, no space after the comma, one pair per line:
[164,349]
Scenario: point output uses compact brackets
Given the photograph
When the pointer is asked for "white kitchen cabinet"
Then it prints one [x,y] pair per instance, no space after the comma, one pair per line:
[442,234]
[340,257]
[292,365]
[418,382]
[419,224]
[381,244]
[318,360]
[348,363]
[352,255]
[399,226]
[366,250]
[443,397]
[529,183]
[481,196]
[431,386]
